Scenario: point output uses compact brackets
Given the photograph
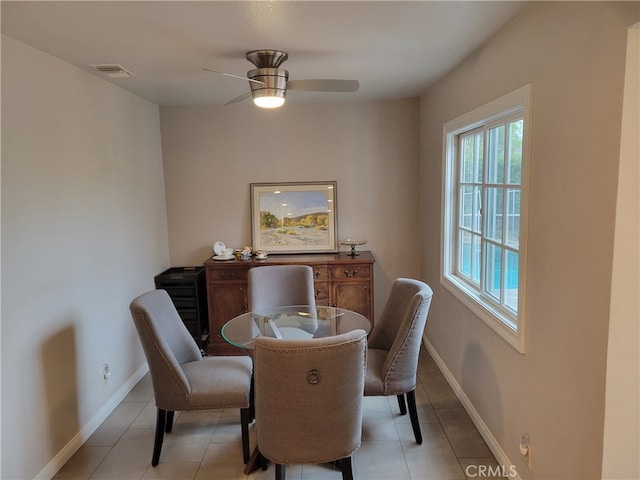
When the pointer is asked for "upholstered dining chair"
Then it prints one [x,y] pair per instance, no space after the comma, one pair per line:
[308,399]
[182,378]
[394,346]
[280,285]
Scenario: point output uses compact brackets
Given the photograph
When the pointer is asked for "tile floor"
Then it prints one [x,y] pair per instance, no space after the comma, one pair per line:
[206,445]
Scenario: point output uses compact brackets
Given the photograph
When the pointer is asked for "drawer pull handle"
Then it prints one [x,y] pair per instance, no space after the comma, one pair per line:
[317,274]
[349,274]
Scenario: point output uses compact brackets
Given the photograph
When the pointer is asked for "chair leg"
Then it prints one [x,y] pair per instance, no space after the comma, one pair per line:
[157,446]
[413,413]
[347,468]
[169,426]
[402,404]
[245,414]
[280,471]
[252,407]
[264,462]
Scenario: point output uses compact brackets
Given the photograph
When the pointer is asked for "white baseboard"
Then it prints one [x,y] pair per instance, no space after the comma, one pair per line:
[90,427]
[486,434]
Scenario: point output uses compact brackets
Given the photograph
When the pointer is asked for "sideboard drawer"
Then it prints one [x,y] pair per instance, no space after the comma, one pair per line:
[321,292]
[320,272]
[227,274]
[350,272]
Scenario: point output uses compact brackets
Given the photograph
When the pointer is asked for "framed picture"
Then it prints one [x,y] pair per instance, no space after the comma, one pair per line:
[294,217]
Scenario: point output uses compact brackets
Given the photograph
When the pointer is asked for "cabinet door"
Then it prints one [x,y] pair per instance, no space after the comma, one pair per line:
[225,302]
[352,296]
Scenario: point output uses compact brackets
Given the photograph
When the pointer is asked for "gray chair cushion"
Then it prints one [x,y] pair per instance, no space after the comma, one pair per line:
[219,381]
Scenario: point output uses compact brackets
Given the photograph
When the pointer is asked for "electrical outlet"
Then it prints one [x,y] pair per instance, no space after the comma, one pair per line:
[525,449]
[106,372]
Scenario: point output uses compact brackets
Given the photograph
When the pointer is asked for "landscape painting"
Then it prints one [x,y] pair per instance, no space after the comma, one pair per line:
[294,217]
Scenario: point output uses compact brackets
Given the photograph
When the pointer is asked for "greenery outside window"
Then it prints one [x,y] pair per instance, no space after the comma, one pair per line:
[485,211]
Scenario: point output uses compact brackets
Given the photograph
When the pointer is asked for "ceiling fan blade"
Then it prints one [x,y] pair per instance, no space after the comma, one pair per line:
[233,76]
[323,85]
[239,98]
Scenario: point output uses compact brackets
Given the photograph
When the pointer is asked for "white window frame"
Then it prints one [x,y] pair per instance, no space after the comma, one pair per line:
[509,325]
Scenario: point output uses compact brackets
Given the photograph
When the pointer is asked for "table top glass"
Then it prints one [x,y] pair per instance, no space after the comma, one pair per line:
[292,322]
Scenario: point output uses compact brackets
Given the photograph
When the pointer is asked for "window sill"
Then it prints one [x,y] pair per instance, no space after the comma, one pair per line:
[495,319]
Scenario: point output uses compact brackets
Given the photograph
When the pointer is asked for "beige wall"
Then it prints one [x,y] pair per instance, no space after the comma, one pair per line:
[622,413]
[211,155]
[83,231]
[574,54]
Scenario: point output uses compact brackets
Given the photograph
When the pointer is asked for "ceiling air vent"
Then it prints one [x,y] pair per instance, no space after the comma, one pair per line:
[114,71]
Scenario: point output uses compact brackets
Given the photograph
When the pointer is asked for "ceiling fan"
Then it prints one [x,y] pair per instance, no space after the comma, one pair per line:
[269,83]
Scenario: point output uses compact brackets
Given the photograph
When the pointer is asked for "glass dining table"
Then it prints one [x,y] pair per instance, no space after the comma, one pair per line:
[292,322]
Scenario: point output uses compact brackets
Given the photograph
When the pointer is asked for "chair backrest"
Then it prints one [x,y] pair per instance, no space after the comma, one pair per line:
[280,285]
[308,397]
[399,331]
[166,343]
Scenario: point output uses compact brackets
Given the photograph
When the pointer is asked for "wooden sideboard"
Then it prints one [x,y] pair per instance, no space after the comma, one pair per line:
[339,279]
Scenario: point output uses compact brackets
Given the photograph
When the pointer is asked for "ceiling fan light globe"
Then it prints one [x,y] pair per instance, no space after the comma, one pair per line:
[268,101]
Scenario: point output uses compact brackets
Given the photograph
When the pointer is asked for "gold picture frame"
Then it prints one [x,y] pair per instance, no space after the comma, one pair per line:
[294,217]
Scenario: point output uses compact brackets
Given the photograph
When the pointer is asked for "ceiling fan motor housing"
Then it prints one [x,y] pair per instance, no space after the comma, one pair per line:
[275,82]
[267,58]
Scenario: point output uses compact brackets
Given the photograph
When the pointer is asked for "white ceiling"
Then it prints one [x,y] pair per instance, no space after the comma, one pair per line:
[395,49]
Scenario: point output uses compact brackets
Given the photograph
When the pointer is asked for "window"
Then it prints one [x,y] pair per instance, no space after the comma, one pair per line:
[484,220]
